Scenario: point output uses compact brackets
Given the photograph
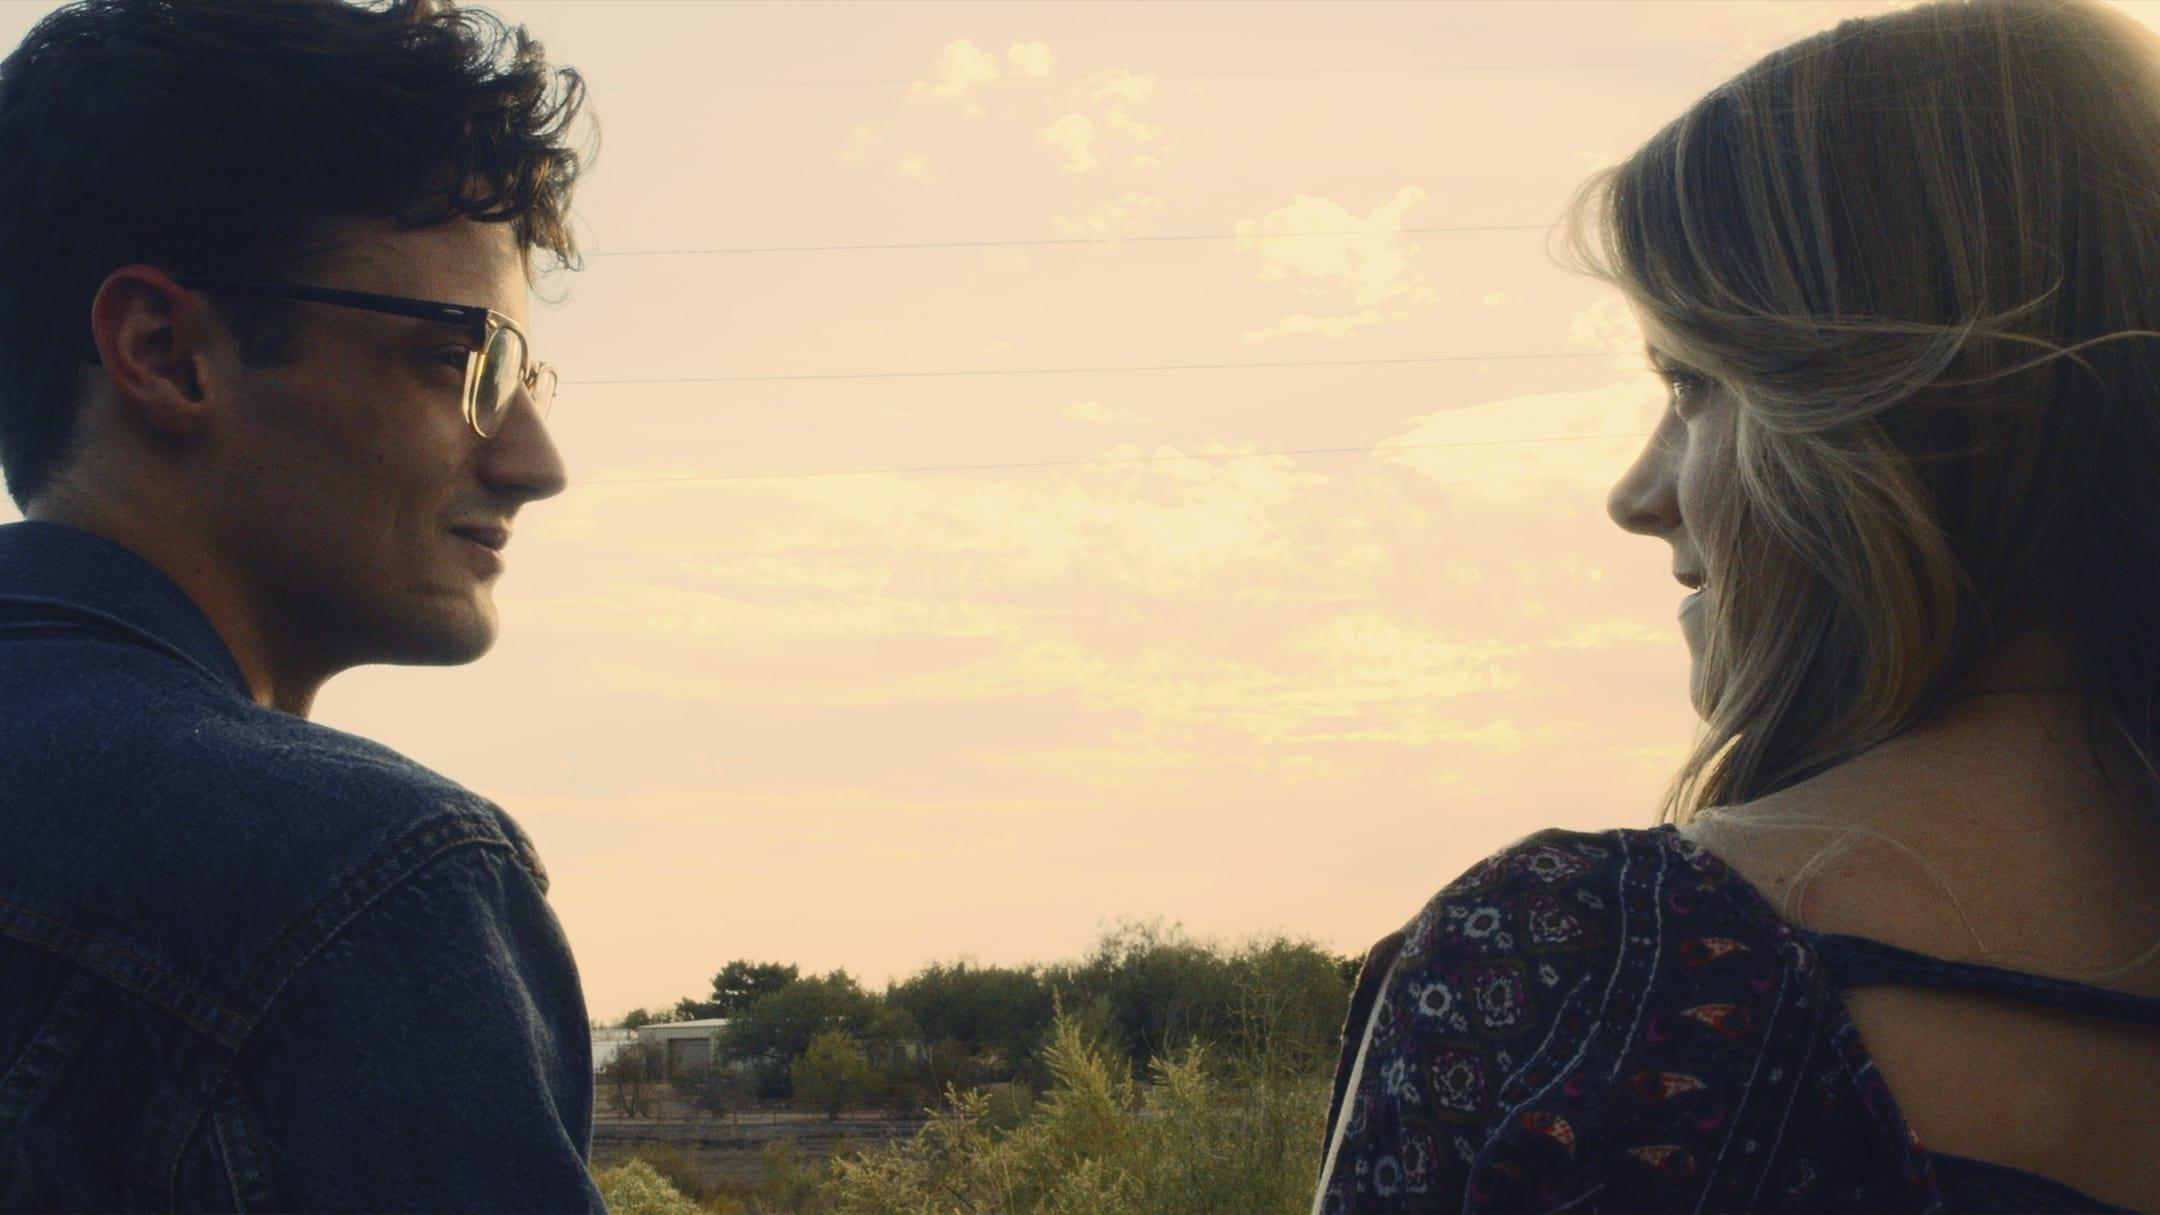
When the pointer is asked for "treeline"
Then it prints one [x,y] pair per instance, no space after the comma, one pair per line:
[1144,993]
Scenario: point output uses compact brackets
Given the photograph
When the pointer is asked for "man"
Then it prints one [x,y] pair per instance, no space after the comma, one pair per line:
[268,410]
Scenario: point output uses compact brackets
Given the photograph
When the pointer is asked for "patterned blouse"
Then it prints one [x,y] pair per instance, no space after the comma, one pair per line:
[1617,1022]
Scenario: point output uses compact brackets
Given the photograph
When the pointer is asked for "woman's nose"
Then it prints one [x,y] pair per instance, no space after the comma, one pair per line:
[1646,499]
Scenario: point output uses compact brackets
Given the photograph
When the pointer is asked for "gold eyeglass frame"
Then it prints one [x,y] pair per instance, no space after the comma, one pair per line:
[480,324]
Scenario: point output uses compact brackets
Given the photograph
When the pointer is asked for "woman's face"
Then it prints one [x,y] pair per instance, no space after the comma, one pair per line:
[1685,471]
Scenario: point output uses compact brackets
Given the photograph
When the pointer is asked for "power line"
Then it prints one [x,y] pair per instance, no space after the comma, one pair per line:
[1154,459]
[1062,240]
[1197,75]
[922,375]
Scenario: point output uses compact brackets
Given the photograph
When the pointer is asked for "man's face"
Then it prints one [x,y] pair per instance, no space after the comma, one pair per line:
[349,471]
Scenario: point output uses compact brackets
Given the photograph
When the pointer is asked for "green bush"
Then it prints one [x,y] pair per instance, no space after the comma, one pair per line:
[1199,1138]
[678,1172]
[832,1074]
[633,1188]
[790,1185]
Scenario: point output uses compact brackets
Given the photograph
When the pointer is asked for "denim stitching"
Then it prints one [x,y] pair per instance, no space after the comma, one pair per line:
[309,933]
[128,970]
[32,1070]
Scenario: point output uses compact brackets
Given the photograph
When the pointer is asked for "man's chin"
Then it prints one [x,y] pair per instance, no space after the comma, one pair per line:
[444,640]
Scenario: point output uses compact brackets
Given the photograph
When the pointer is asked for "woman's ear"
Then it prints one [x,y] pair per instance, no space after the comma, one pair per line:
[152,336]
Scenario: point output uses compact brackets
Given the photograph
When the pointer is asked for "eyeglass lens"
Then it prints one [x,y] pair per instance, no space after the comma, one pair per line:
[501,367]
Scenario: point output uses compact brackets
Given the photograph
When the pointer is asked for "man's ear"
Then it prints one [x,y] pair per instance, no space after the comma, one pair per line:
[153,338]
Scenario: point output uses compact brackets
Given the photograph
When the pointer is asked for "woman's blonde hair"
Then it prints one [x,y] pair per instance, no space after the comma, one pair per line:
[1922,252]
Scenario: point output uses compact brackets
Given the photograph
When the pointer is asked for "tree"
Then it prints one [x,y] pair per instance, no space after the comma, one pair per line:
[1290,1001]
[631,1076]
[713,1090]
[832,1074]
[1157,988]
[639,1018]
[1196,1138]
[779,1026]
[997,1011]
[738,985]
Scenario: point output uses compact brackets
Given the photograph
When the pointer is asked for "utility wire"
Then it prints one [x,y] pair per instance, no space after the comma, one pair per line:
[1060,240]
[1102,460]
[923,375]
[1197,75]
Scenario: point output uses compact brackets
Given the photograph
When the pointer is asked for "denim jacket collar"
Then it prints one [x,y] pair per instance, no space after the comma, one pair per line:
[50,571]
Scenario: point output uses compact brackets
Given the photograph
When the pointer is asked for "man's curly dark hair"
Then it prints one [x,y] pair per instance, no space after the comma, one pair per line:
[229,137]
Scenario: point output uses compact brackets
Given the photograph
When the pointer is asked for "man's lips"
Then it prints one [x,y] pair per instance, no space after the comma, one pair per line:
[491,538]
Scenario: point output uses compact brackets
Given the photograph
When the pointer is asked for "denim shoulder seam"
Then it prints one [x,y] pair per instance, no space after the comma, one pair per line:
[311,933]
[389,868]
[130,971]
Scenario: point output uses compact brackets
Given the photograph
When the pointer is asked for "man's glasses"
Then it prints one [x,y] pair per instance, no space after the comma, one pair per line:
[496,366]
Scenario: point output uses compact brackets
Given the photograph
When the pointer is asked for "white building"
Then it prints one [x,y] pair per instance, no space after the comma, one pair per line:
[608,1043]
[687,1046]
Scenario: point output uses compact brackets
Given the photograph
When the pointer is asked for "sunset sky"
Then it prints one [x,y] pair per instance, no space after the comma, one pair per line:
[959,598]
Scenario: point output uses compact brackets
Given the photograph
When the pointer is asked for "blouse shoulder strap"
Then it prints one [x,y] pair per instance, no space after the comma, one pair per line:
[1862,961]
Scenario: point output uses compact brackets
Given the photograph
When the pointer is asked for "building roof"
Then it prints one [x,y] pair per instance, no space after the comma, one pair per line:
[681,1029]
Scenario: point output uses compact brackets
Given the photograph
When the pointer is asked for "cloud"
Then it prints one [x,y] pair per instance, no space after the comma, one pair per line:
[1364,254]
[1328,251]
[1074,135]
[1108,415]
[915,165]
[961,66]
[857,146]
[1463,448]
[1244,606]
[1123,216]
[1608,324]
[1030,60]
[1104,110]
[1324,326]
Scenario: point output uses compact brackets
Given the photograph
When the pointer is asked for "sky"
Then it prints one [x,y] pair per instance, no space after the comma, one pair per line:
[1039,465]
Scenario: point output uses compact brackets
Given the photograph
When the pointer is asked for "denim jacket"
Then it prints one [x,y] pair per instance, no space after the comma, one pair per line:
[248,962]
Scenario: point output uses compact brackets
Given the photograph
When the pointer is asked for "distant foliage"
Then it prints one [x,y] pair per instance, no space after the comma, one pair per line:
[1033,1072]
[634,1188]
[1154,991]
[832,1074]
[792,1184]
[678,1170]
[1200,1138]
[779,1026]
[739,984]
[1148,989]
[639,1018]
[632,1079]
[714,1090]
[994,1014]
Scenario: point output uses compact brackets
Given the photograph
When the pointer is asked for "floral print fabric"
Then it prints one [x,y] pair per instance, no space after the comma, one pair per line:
[1609,1022]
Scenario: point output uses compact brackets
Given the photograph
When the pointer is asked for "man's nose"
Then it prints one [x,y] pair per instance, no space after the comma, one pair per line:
[520,459]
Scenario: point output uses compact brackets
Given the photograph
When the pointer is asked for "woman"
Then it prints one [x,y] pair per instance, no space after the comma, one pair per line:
[1895,944]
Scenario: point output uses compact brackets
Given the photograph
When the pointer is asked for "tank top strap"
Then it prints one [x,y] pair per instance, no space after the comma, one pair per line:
[1862,961]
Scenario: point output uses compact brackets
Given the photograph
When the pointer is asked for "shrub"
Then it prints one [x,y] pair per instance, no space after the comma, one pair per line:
[1197,1138]
[833,1074]
[631,1079]
[789,1186]
[634,1188]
